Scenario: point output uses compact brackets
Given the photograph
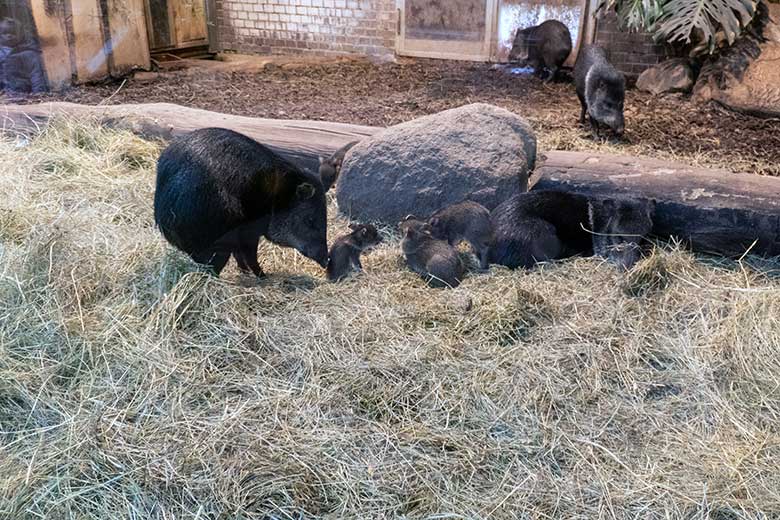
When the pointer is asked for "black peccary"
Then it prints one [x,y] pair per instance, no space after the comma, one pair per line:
[548,225]
[467,221]
[346,250]
[545,48]
[619,227]
[219,191]
[435,260]
[330,167]
[601,90]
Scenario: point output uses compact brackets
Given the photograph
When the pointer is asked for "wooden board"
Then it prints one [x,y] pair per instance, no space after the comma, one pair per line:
[54,43]
[129,44]
[90,54]
[713,211]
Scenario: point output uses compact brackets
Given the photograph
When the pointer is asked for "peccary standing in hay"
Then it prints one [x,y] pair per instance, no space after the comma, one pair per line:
[330,167]
[435,260]
[219,191]
[539,226]
[601,90]
[346,250]
[544,47]
[467,221]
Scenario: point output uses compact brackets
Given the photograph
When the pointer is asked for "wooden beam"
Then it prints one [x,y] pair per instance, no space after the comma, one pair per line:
[50,24]
[712,211]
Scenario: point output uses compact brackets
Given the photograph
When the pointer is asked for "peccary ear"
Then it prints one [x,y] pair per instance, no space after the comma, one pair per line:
[305,191]
[434,222]
[409,217]
[322,160]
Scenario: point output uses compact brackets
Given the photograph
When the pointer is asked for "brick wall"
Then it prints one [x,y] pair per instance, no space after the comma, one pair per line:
[315,26]
[630,53]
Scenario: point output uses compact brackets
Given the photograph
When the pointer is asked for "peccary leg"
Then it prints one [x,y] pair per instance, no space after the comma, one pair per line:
[584,109]
[248,252]
[552,74]
[212,258]
[594,126]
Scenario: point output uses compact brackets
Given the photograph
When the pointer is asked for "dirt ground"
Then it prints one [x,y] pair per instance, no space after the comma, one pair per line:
[386,94]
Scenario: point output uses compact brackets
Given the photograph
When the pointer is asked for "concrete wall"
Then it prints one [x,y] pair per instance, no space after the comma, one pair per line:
[318,26]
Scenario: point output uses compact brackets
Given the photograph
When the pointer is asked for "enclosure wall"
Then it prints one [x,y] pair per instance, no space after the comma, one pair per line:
[630,52]
[318,26]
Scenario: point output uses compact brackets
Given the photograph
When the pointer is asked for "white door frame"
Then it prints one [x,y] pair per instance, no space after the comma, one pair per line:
[452,50]
[489,48]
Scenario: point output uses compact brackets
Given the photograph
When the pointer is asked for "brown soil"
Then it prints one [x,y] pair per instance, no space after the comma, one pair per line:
[386,94]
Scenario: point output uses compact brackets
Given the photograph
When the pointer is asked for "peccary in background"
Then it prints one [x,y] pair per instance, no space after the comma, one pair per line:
[219,191]
[346,250]
[601,90]
[331,167]
[433,259]
[619,227]
[544,47]
[467,221]
[548,225]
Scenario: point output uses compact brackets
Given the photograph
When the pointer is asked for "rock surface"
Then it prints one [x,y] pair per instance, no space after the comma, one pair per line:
[675,75]
[746,77]
[479,151]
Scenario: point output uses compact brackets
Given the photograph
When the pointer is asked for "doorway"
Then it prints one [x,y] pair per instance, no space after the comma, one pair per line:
[482,30]
[176,24]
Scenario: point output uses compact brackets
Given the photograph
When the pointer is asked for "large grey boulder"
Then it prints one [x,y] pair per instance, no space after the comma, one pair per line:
[480,152]
[675,75]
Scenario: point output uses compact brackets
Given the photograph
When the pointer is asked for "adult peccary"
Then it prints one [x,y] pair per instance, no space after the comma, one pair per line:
[346,250]
[619,227]
[219,191]
[331,167]
[546,225]
[435,260]
[601,90]
[467,221]
[544,47]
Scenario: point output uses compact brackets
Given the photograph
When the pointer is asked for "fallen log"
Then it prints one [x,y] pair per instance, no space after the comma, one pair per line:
[302,142]
[712,211]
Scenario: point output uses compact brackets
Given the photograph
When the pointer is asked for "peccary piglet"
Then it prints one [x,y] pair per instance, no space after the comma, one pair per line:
[219,191]
[331,167]
[435,260]
[544,47]
[346,250]
[601,90]
[467,221]
[619,226]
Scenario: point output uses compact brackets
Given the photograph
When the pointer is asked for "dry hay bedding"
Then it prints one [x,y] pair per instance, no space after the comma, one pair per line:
[134,386]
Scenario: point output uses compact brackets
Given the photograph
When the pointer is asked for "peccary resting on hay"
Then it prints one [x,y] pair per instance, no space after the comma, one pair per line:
[547,225]
[467,221]
[331,167]
[544,47]
[346,250]
[433,259]
[601,90]
[219,191]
